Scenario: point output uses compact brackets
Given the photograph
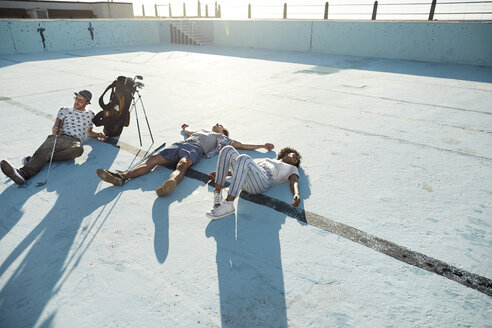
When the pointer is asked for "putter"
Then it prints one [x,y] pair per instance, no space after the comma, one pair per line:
[39,184]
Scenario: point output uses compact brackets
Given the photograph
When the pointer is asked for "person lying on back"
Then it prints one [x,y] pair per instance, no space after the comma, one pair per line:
[180,156]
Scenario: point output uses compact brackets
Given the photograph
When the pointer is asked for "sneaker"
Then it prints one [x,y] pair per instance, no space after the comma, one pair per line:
[166,188]
[117,179]
[12,173]
[224,209]
[217,197]
[25,160]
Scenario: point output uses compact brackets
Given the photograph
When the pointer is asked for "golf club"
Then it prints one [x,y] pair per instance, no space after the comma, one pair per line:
[39,184]
[144,158]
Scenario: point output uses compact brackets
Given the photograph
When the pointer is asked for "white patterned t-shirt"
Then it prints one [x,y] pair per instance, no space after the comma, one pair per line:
[76,122]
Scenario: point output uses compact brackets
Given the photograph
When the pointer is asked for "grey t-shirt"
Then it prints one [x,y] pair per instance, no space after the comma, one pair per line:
[206,139]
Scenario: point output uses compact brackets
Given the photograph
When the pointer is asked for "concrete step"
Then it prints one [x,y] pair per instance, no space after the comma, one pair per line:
[192,33]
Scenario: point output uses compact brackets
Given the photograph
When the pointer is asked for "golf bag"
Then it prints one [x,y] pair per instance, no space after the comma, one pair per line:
[116,113]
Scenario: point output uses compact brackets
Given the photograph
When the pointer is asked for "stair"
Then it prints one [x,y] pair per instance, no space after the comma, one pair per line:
[186,32]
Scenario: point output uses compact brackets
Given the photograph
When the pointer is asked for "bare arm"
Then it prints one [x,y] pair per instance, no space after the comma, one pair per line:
[238,145]
[294,187]
[98,135]
[187,131]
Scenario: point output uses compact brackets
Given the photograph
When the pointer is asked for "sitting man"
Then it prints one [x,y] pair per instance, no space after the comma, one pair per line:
[253,177]
[75,125]
[180,156]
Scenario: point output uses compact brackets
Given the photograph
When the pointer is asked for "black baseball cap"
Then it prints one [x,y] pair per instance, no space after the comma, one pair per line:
[86,94]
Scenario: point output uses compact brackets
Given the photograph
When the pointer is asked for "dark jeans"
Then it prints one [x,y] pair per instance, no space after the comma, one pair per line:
[66,148]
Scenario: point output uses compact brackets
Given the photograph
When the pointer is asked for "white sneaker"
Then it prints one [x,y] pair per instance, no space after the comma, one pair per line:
[217,197]
[224,209]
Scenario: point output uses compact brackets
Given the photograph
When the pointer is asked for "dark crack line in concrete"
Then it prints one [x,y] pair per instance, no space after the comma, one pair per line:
[400,253]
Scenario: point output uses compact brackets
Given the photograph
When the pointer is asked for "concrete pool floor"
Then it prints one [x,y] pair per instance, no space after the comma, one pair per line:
[397,163]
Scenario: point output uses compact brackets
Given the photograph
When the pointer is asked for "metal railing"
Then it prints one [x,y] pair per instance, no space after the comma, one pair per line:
[166,10]
[416,10]
[420,10]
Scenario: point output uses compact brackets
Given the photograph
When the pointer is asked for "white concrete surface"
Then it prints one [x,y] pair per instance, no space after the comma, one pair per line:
[442,42]
[267,34]
[24,36]
[456,42]
[400,150]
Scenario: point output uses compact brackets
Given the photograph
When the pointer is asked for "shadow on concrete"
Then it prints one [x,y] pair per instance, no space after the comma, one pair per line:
[323,64]
[12,200]
[13,59]
[47,248]
[282,191]
[249,267]
[160,216]
[249,264]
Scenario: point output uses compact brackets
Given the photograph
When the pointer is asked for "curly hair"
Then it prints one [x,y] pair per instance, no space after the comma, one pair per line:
[287,150]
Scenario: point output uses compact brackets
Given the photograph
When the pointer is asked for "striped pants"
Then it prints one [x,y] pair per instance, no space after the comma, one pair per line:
[246,174]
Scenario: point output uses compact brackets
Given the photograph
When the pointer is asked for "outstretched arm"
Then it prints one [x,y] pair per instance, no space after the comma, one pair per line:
[238,145]
[187,131]
[294,187]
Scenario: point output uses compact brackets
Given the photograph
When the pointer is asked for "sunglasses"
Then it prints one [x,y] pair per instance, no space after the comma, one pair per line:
[80,100]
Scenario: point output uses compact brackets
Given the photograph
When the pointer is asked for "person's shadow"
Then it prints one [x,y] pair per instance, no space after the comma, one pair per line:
[12,200]
[48,254]
[249,263]
[160,214]
[249,267]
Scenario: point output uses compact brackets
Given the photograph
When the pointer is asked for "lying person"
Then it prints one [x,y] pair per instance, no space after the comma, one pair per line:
[254,177]
[180,156]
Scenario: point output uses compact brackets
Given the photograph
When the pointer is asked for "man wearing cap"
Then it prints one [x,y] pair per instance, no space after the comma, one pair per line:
[72,125]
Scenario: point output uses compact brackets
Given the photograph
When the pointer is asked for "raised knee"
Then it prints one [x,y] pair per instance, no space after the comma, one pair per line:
[228,148]
[243,158]
[79,151]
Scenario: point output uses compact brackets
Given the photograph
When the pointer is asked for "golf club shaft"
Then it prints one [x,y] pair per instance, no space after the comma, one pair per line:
[53,150]
[138,125]
[145,114]
[145,157]
[51,159]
